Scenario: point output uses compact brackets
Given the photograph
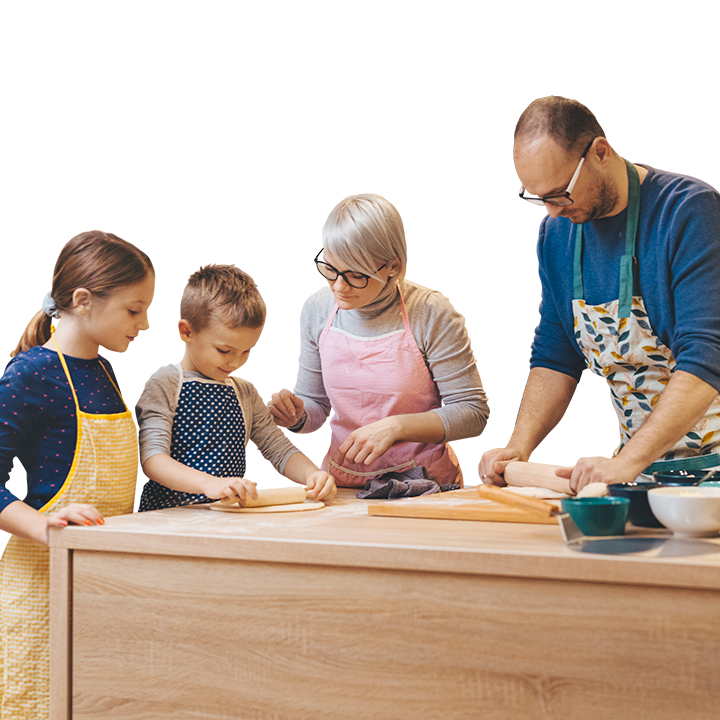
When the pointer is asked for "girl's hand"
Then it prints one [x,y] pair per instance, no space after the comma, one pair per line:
[233,488]
[76,513]
[286,408]
[366,444]
[321,486]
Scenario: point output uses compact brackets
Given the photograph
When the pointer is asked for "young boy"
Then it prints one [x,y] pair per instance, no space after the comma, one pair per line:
[195,420]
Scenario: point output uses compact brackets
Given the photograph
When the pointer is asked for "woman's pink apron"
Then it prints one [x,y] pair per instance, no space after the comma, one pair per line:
[368,379]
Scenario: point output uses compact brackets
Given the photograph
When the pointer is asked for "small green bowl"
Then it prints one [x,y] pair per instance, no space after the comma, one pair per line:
[598,515]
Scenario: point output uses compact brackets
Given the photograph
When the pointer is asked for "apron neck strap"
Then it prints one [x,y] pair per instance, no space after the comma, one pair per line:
[69,378]
[627,261]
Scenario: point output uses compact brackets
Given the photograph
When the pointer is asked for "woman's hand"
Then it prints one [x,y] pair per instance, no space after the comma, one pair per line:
[366,444]
[286,408]
[233,488]
[321,486]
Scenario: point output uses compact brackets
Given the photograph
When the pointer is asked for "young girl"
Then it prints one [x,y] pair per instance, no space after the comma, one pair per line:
[62,415]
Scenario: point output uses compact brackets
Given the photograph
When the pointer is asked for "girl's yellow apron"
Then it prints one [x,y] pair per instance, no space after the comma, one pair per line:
[103,474]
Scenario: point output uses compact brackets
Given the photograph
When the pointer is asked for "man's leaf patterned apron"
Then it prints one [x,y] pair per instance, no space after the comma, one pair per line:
[619,344]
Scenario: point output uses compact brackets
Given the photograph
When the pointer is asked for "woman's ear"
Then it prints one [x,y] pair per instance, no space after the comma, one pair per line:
[394,267]
[81,301]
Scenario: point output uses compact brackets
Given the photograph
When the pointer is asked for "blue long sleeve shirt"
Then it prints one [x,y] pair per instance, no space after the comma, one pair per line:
[678,251]
[38,420]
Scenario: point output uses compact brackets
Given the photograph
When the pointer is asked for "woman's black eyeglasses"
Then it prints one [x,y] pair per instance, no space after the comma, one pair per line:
[353,279]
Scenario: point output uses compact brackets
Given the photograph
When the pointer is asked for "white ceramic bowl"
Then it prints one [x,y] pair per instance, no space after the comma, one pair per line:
[687,511]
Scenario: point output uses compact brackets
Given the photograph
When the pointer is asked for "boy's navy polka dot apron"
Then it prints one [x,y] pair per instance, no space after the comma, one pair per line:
[208,434]
[620,345]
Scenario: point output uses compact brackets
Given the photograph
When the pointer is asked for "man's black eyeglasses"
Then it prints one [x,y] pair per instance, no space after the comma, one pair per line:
[564,198]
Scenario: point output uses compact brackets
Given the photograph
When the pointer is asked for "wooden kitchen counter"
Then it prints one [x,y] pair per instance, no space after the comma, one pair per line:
[334,614]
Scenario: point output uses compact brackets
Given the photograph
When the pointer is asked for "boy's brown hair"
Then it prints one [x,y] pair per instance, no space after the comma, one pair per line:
[223,293]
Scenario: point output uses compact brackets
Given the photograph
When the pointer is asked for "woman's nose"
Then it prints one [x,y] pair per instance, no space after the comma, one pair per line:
[343,283]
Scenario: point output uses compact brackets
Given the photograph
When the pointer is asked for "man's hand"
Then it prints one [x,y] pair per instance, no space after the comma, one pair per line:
[597,469]
[493,463]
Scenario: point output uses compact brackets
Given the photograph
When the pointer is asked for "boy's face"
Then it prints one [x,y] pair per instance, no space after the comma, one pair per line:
[217,350]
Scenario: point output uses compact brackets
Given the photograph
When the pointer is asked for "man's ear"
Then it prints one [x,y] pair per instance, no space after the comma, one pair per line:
[185,330]
[602,151]
[81,301]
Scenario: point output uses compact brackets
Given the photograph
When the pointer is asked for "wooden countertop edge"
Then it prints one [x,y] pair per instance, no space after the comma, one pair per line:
[574,566]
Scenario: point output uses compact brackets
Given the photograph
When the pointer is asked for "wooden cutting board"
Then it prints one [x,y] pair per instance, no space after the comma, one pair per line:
[456,505]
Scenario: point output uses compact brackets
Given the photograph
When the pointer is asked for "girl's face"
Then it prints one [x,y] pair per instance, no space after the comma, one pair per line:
[350,298]
[115,321]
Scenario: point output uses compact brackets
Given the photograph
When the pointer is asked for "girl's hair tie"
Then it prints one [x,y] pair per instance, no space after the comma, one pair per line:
[50,307]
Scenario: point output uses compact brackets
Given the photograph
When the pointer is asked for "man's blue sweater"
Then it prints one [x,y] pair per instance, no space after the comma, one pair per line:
[678,252]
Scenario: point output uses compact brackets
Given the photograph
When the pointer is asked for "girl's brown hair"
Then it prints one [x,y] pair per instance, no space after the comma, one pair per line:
[97,261]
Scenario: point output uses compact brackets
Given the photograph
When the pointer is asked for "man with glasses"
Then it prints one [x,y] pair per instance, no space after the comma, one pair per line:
[630,269]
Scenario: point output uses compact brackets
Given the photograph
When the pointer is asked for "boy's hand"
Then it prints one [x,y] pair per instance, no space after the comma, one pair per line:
[320,486]
[286,408]
[232,488]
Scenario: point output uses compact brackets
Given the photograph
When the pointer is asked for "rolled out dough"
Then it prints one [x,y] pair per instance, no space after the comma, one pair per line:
[292,507]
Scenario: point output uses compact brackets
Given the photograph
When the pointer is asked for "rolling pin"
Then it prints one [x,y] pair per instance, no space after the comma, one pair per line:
[491,492]
[271,496]
[526,474]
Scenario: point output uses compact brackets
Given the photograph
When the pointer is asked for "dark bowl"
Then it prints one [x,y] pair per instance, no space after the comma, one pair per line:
[684,477]
[640,513]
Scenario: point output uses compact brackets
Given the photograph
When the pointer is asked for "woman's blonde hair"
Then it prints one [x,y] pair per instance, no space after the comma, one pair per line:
[97,261]
[364,232]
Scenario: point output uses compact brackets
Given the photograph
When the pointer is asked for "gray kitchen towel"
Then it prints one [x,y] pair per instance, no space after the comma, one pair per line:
[395,485]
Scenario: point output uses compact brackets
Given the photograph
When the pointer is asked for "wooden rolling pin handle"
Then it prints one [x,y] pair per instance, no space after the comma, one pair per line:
[270,496]
[507,497]
[523,474]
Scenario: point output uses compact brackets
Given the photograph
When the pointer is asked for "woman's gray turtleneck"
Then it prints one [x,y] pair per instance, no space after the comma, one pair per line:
[439,331]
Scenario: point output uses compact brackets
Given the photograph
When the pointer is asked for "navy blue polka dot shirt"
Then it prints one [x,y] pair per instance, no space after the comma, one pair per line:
[38,422]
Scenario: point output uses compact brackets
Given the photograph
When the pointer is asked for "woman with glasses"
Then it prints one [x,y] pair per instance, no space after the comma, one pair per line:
[391,358]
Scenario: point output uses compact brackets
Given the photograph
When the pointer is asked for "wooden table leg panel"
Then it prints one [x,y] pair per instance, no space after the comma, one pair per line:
[60,632]
[190,638]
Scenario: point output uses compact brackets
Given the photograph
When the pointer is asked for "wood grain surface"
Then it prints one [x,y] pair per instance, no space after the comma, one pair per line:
[190,614]
[457,505]
[171,638]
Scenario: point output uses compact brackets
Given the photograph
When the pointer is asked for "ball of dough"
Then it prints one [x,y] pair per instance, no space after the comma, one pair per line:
[595,489]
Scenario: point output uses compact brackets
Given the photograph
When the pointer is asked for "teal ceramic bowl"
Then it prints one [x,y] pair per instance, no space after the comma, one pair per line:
[710,483]
[598,515]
